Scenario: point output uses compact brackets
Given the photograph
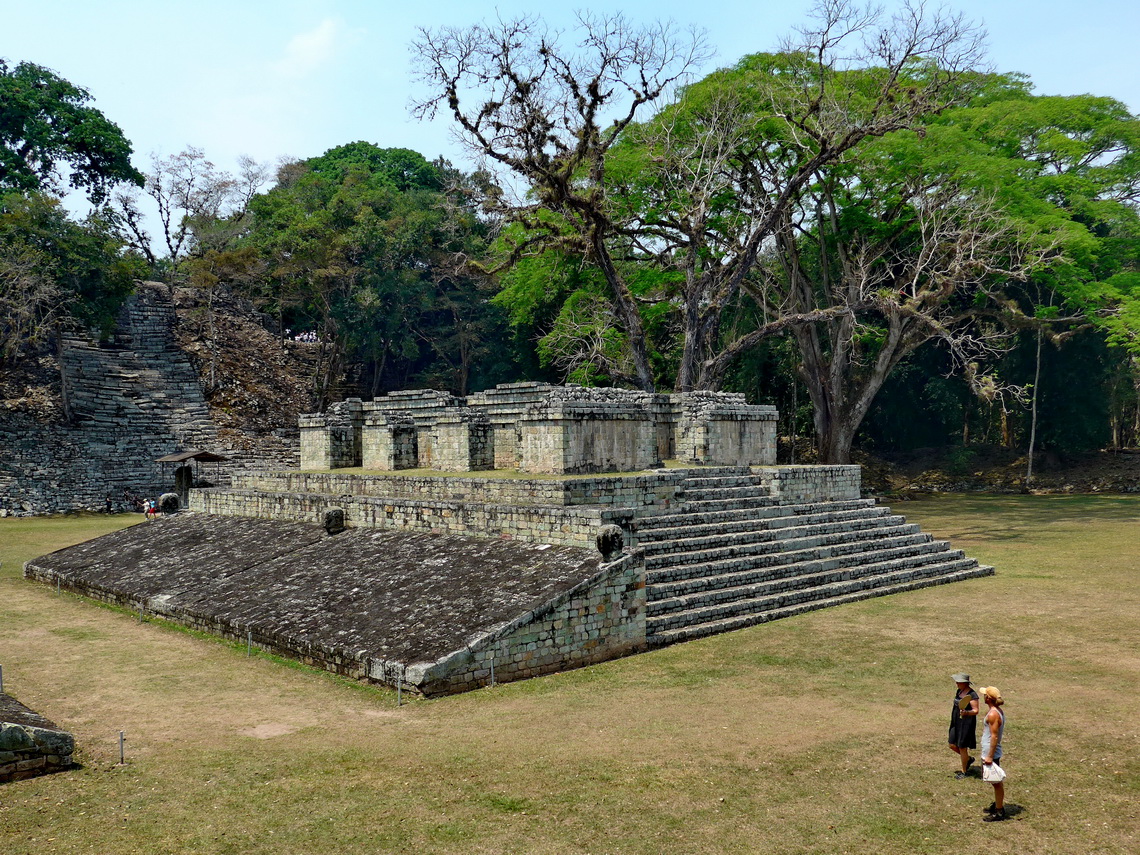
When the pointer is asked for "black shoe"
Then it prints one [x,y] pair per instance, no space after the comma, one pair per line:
[996,816]
[991,808]
[959,775]
[969,763]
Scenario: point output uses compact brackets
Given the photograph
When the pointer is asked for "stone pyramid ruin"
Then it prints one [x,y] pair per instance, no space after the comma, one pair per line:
[441,583]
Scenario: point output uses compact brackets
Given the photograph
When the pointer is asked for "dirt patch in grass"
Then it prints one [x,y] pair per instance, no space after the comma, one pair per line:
[823,733]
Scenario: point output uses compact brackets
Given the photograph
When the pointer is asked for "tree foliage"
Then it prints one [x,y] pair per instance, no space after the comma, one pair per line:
[366,246]
[199,208]
[699,189]
[49,131]
[55,273]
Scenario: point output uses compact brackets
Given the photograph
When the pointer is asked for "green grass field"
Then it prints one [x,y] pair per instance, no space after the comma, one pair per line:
[823,733]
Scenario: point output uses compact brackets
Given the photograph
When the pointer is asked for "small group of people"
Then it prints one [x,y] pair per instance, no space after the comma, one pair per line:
[963,737]
[151,509]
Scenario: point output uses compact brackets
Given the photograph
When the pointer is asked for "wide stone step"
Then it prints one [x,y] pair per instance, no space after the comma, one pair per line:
[742,544]
[760,520]
[744,478]
[675,539]
[705,494]
[744,532]
[744,502]
[701,630]
[692,578]
[680,525]
[731,588]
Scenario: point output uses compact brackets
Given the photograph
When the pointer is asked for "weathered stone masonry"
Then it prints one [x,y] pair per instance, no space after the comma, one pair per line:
[599,619]
[132,399]
[30,745]
[537,428]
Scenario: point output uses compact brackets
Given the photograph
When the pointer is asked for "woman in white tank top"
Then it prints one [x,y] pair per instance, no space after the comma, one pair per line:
[992,732]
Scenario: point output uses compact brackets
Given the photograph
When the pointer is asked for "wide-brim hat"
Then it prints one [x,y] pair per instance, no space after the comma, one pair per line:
[960,678]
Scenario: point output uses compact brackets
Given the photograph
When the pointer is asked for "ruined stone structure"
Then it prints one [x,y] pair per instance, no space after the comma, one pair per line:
[444,584]
[131,399]
[539,428]
[30,745]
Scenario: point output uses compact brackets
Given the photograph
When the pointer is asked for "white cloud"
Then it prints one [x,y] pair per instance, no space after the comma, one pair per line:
[308,51]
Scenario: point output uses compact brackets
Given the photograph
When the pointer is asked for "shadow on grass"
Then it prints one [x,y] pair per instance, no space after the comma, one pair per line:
[1013,518]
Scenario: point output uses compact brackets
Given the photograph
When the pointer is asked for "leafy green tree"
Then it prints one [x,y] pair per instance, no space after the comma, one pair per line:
[47,127]
[56,273]
[366,246]
[700,189]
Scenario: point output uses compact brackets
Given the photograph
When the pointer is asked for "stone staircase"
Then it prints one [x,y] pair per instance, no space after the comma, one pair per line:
[733,555]
[151,393]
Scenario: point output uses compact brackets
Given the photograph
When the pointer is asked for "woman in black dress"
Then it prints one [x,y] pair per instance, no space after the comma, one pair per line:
[963,722]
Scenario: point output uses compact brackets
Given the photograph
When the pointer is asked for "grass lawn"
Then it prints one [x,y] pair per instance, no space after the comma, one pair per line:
[823,733]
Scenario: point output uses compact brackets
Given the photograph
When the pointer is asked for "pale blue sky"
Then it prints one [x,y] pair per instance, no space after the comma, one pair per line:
[296,77]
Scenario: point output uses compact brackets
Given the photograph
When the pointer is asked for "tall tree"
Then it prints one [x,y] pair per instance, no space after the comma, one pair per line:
[537,110]
[199,207]
[699,196]
[366,246]
[1014,211]
[55,273]
[49,132]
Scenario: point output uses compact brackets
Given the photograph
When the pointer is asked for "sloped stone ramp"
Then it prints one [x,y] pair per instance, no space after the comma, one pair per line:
[441,613]
[423,609]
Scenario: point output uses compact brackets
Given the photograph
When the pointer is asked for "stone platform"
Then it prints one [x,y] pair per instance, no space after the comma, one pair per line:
[30,745]
[444,584]
[387,606]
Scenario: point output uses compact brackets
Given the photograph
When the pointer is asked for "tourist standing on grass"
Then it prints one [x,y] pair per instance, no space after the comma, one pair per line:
[963,722]
[992,732]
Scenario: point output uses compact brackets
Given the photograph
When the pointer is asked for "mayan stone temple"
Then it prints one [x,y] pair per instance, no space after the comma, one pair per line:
[442,544]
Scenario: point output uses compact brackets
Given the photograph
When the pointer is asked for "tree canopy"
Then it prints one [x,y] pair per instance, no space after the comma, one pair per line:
[49,131]
[55,272]
[368,246]
[699,197]
[863,191]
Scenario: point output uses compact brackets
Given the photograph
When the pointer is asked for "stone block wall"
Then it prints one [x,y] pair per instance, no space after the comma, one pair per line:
[426,407]
[316,451]
[389,442]
[463,442]
[656,489]
[793,484]
[564,437]
[547,429]
[30,745]
[333,439]
[564,526]
[720,429]
[599,619]
[504,406]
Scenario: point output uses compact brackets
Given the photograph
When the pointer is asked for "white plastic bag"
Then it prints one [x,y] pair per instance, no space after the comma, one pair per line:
[993,773]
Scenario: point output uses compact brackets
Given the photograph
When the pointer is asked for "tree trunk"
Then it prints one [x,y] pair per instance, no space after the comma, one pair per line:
[1033,417]
[691,352]
[627,312]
